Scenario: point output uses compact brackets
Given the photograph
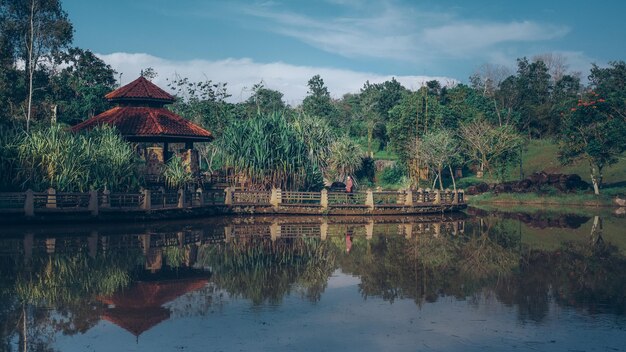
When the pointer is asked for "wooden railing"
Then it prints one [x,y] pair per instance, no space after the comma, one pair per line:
[252,197]
[93,201]
[304,198]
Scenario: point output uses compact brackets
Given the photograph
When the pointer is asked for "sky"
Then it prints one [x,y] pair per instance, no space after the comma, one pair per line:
[347,42]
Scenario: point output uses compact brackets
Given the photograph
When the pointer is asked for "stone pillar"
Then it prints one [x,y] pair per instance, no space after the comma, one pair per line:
[369,199]
[401,193]
[455,197]
[274,231]
[147,199]
[29,240]
[228,199]
[324,199]
[408,198]
[408,231]
[51,245]
[93,202]
[29,203]
[228,233]
[276,197]
[199,199]
[181,198]
[106,198]
[420,195]
[52,199]
[437,197]
[324,230]
[92,244]
[369,230]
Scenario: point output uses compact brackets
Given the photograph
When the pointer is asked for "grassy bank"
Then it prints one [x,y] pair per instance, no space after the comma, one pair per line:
[570,200]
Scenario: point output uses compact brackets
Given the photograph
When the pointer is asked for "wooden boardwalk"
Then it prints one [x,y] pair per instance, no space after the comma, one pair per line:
[54,206]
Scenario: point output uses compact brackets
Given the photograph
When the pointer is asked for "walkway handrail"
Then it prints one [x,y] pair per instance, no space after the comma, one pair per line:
[147,200]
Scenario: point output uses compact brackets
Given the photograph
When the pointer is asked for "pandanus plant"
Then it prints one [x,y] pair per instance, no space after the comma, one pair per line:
[54,157]
[268,151]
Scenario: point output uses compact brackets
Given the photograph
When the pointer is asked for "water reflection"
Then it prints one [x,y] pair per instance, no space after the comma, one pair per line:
[66,281]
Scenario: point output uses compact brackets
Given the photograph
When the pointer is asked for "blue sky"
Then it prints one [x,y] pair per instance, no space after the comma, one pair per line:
[284,43]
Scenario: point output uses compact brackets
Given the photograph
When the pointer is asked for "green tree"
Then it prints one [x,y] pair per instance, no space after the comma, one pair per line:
[492,147]
[78,90]
[439,149]
[264,101]
[318,101]
[533,94]
[38,29]
[595,129]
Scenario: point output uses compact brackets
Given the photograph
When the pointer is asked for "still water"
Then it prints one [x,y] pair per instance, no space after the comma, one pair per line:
[485,280]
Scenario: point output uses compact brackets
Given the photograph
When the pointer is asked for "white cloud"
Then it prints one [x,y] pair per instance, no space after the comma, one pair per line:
[463,38]
[241,74]
[393,31]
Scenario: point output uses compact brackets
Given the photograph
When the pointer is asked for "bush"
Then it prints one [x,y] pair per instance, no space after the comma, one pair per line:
[391,175]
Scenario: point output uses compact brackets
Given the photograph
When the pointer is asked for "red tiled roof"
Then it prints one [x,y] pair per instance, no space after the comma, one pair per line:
[145,122]
[153,294]
[136,321]
[140,90]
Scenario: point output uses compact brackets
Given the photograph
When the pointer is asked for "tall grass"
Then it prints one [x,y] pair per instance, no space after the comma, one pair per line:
[54,157]
[270,151]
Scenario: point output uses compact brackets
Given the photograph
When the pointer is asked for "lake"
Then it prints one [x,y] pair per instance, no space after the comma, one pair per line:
[483,280]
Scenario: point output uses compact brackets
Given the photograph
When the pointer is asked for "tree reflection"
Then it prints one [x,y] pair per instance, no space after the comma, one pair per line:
[263,270]
[46,291]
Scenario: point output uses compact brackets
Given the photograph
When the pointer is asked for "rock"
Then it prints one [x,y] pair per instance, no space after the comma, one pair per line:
[619,201]
[477,189]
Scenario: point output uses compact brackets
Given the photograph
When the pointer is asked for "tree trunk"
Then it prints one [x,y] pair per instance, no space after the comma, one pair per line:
[31,64]
[595,181]
[440,179]
[453,180]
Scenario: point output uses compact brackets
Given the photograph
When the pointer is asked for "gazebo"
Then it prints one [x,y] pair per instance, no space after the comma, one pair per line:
[140,116]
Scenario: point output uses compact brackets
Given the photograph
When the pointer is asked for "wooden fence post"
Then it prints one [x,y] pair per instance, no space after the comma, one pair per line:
[52,198]
[93,202]
[420,195]
[29,203]
[437,197]
[324,199]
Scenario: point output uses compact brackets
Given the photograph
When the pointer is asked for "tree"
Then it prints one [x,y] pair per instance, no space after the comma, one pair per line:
[488,145]
[79,88]
[264,101]
[149,73]
[38,28]
[204,103]
[595,128]
[318,101]
[533,93]
[438,149]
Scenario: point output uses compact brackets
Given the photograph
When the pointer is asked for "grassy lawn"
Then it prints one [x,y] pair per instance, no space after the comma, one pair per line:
[542,155]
